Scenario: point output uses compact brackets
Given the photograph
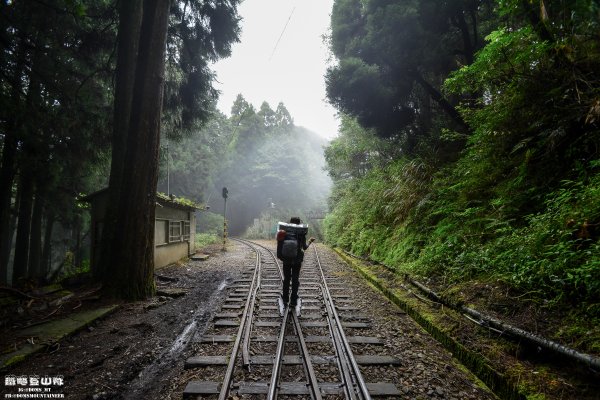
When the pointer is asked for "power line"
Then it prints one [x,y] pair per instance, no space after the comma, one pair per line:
[282,32]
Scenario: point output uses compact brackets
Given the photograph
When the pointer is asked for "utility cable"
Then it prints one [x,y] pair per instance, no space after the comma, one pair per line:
[282,32]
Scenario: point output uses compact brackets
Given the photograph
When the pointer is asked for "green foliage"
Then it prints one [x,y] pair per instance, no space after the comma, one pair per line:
[393,55]
[556,252]
[536,99]
[179,200]
[356,151]
[200,33]
[205,239]
[357,88]
[70,270]
[519,203]
[209,223]
[366,214]
[193,160]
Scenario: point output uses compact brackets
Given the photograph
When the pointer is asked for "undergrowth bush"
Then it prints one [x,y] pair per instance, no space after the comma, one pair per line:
[558,251]
[204,239]
[450,232]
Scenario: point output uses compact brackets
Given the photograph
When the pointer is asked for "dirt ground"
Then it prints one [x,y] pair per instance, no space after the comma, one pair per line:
[138,351]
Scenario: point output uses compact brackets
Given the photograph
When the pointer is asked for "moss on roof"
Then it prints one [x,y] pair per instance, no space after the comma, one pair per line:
[181,201]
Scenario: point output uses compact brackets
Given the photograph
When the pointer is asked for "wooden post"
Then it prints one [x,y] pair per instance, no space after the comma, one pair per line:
[224,193]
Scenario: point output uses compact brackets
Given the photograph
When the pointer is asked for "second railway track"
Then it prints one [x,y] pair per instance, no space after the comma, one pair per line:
[324,353]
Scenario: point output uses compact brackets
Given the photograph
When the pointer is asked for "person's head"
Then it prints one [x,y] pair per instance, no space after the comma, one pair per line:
[295,220]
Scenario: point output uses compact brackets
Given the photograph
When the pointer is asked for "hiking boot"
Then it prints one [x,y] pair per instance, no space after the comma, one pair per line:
[281,305]
[298,307]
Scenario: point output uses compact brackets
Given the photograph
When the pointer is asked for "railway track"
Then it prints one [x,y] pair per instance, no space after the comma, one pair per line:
[253,352]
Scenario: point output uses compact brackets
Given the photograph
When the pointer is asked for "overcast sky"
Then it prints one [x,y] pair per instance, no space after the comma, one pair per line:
[291,71]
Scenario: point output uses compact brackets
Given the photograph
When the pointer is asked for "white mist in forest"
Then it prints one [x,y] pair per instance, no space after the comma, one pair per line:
[274,178]
[272,169]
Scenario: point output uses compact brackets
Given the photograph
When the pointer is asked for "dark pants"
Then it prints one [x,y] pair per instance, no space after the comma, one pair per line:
[291,271]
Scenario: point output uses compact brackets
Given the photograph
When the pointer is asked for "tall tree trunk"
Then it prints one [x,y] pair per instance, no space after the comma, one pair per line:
[11,234]
[28,162]
[536,19]
[35,243]
[21,261]
[132,267]
[7,175]
[77,248]
[36,270]
[8,167]
[468,47]
[130,22]
[46,262]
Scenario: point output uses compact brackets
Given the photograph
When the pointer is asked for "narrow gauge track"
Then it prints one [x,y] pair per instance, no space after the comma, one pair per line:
[264,349]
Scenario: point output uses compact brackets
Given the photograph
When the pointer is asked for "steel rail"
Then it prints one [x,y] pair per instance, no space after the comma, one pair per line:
[363,390]
[250,316]
[225,388]
[275,374]
[314,383]
[342,358]
[310,371]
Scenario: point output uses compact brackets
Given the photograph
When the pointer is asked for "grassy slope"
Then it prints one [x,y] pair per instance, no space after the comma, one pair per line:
[458,234]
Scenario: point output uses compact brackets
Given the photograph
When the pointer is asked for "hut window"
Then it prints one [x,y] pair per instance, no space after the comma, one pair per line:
[161,228]
[174,231]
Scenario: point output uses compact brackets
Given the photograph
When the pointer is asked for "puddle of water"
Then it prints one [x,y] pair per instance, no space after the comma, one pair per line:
[188,332]
[184,337]
[148,376]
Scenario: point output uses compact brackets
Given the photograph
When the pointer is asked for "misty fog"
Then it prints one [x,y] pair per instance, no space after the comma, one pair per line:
[272,169]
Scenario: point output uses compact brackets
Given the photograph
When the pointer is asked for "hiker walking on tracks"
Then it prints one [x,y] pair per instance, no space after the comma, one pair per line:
[291,243]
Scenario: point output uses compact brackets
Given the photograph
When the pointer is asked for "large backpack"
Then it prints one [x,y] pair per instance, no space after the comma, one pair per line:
[290,247]
[288,241]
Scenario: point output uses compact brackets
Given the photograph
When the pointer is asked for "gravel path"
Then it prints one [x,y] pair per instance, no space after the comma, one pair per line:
[427,370]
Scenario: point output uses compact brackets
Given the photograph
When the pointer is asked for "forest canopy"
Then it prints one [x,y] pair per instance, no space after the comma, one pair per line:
[69,127]
[69,72]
